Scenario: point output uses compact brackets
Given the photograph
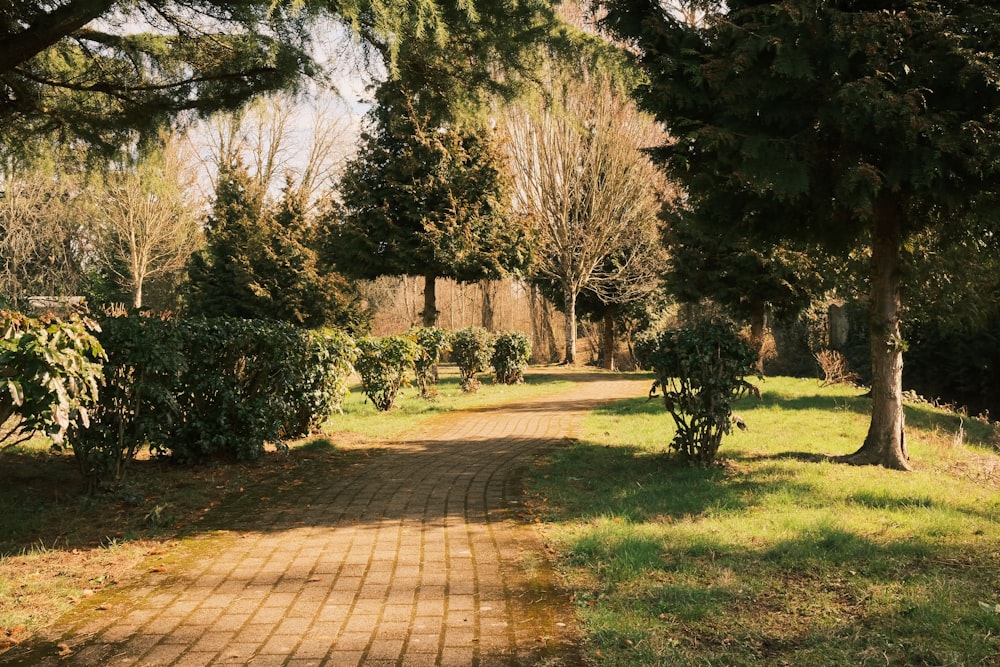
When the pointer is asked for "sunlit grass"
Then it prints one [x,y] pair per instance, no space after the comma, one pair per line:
[779,555]
[360,417]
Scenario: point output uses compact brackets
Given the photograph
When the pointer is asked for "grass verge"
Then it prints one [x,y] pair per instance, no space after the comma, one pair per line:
[778,555]
[59,548]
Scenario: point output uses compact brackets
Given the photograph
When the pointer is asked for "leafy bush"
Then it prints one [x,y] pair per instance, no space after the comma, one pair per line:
[701,372]
[236,392]
[326,365]
[50,370]
[432,343]
[383,364]
[138,405]
[511,352]
[471,349]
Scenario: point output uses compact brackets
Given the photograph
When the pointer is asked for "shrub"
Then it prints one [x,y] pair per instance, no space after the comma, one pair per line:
[234,395]
[511,352]
[701,372]
[326,366]
[138,405]
[383,364]
[50,370]
[471,349]
[432,343]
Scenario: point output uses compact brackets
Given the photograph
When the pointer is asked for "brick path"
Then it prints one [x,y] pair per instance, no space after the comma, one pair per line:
[413,558]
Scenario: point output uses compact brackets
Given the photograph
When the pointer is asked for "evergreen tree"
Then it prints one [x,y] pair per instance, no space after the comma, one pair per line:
[839,122]
[424,199]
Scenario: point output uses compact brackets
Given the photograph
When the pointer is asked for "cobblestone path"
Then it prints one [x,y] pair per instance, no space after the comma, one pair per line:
[415,557]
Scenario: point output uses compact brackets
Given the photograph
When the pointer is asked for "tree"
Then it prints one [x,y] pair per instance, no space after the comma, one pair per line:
[424,199]
[589,192]
[260,261]
[146,226]
[43,217]
[834,122]
[102,69]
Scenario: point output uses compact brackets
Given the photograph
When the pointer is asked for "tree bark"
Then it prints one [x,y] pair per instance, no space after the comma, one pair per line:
[885,444]
[610,342]
[488,312]
[429,316]
[137,296]
[569,298]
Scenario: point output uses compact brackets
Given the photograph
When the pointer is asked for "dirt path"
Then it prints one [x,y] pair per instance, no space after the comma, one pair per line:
[417,557]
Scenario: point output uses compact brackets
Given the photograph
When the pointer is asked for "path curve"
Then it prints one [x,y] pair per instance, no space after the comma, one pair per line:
[417,557]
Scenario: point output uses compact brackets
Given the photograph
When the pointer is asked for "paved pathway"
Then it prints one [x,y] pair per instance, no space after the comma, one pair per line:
[413,558]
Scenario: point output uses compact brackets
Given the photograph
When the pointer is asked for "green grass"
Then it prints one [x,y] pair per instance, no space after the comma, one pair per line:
[779,555]
[362,419]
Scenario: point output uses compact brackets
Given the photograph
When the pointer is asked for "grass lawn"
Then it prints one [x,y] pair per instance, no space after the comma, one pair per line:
[778,555]
[58,547]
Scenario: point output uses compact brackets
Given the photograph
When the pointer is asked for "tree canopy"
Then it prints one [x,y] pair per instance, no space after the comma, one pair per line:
[99,69]
[837,122]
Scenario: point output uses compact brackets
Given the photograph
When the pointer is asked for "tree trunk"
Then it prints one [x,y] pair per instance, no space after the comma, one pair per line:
[758,323]
[488,311]
[137,296]
[885,444]
[610,342]
[430,313]
[569,299]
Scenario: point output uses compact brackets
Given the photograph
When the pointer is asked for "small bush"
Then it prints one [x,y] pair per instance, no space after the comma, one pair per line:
[701,372]
[835,368]
[511,352]
[471,349]
[236,393]
[50,370]
[138,406]
[327,362]
[432,343]
[384,364]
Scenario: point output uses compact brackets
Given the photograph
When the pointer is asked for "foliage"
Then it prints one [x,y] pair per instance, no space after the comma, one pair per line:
[423,199]
[384,364]
[511,352]
[99,71]
[785,122]
[326,368]
[239,392]
[138,405]
[471,349]
[432,343]
[259,262]
[701,372]
[51,372]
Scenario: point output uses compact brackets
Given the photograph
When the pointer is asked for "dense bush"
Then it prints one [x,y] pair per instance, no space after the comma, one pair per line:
[326,366]
[432,343]
[50,370]
[511,352]
[237,391]
[701,372]
[384,365]
[471,349]
[138,404]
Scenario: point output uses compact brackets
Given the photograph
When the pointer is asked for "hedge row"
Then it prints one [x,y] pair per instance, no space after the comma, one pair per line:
[202,388]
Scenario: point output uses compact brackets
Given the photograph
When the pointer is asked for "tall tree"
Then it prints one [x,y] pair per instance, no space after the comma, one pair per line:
[424,199]
[590,194]
[837,122]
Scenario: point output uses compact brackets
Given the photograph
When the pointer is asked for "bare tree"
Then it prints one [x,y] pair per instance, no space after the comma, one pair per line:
[147,224]
[41,221]
[282,136]
[592,195]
